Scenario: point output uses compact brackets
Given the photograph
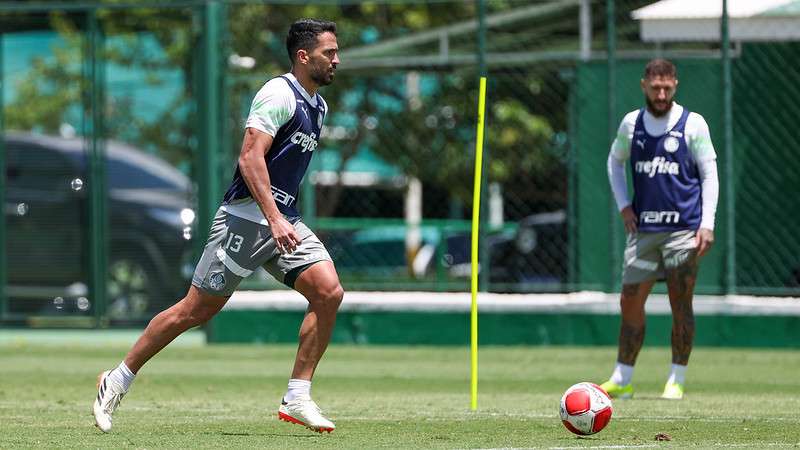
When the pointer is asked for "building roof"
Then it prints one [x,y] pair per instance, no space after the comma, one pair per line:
[692,20]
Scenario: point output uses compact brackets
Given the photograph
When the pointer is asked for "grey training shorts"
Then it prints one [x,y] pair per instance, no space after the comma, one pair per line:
[648,254]
[236,247]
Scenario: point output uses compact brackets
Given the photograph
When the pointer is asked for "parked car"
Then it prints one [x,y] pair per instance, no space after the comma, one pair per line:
[381,251]
[530,256]
[534,257]
[46,211]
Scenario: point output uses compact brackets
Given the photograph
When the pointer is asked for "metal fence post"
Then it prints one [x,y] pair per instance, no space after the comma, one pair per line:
[98,247]
[208,107]
[728,173]
[483,256]
[225,137]
[614,282]
[572,180]
[3,266]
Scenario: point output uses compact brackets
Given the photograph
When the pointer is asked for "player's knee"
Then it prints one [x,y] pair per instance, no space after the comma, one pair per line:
[683,322]
[201,316]
[336,296]
[633,313]
[633,324]
[174,318]
[330,298]
[186,316]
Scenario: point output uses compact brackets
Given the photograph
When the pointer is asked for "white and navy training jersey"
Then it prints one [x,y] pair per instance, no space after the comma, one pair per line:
[696,163]
[666,182]
[284,110]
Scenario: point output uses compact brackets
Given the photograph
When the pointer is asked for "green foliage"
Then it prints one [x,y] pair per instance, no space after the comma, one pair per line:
[49,89]
[428,134]
[518,140]
[54,90]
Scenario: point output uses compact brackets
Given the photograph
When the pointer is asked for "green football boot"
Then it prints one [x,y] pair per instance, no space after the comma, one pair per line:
[673,391]
[616,391]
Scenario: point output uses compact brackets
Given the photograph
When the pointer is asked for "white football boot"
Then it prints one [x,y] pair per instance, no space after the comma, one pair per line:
[303,411]
[108,397]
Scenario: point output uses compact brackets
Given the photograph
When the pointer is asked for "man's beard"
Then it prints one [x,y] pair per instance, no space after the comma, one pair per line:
[651,106]
[322,77]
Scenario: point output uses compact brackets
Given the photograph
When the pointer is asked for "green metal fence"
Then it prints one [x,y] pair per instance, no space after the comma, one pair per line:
[122,122]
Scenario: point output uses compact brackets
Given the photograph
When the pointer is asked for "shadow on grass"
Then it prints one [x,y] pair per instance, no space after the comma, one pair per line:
[229,433]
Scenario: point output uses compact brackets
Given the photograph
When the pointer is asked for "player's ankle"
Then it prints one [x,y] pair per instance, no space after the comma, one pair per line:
[297,388]
[122,376]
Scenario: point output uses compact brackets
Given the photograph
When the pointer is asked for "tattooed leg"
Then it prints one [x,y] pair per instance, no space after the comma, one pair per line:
[631,331]
[680,285]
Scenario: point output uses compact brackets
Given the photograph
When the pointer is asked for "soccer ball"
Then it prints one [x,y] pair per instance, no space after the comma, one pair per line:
[585,408]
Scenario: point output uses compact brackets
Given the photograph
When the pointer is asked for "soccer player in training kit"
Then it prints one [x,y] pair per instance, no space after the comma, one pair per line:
[258,225]
[670,223]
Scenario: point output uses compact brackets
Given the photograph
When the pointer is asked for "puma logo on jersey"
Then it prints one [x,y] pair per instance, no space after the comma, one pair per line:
[309,143]
[659,165]
[640,143]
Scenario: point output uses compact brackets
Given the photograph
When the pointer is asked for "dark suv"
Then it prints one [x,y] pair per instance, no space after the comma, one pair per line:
[534,259]
[46,211]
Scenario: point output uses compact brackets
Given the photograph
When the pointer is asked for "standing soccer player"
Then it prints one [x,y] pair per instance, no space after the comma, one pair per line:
[670,223]
[258,225]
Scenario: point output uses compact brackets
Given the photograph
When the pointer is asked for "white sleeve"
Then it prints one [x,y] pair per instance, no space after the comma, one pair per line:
[324,109]
[620,152]
[616,177]
[709,185]
[272,107]
[621,147]
[699,138]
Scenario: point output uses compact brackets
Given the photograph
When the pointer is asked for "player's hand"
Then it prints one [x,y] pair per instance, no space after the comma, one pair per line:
[705,239]
[629,219]
[284,234]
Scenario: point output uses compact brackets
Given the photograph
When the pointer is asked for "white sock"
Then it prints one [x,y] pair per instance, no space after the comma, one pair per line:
[297,388]
[122,376]
[677,374]
[622,374]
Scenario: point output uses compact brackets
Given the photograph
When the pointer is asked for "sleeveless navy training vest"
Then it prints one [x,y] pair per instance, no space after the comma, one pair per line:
[289,156]
[666,183]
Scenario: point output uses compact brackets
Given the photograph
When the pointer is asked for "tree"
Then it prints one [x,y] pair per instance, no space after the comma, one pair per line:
[429,135]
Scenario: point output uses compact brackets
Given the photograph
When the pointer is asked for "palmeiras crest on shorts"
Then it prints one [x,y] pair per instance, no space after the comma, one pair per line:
[216,281]
[671,144]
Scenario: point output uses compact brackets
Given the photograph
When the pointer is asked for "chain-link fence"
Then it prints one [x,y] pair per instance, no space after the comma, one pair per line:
[122,123]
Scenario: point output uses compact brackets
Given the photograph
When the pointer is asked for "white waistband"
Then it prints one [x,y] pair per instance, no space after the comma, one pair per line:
[246,209]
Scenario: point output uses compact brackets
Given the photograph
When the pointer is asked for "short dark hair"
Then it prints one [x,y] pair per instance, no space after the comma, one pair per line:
[660,68]
[303,34]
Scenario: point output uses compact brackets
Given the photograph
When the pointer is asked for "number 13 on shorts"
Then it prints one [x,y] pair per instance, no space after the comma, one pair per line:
[234,242]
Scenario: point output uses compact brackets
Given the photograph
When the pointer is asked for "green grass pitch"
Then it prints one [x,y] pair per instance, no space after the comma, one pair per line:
[394,397]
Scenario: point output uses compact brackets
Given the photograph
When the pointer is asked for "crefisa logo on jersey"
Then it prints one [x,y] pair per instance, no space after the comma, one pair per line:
[216,281]
[671,144]
[658,165]
[308,142]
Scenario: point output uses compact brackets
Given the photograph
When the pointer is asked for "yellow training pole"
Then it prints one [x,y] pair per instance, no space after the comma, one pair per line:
[476,212]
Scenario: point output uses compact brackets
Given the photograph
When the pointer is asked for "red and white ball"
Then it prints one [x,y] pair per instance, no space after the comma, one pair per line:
[585,408]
